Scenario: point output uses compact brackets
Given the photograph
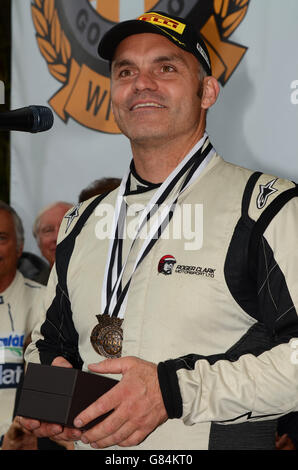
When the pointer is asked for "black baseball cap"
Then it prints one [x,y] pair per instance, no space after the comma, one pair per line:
[176,29]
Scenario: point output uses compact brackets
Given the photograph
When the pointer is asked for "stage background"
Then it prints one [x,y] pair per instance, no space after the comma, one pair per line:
[254,123]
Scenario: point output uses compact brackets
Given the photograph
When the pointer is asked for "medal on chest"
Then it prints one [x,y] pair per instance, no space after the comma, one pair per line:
[106,337]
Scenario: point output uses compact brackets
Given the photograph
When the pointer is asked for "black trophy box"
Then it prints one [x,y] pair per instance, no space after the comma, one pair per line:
[58,394]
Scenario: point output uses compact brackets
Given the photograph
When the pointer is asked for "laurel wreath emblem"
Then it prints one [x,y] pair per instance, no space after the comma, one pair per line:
[85,94]
[51,39]
[229,14]
[56,48]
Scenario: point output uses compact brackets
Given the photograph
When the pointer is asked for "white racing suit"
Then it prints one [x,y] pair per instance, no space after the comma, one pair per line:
[220,325]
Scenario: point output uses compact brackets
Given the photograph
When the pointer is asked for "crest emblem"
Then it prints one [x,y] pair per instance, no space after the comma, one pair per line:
[68,34]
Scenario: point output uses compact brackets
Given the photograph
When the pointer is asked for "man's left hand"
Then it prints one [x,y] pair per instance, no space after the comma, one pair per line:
[284,442]
[136,400]
[18,438]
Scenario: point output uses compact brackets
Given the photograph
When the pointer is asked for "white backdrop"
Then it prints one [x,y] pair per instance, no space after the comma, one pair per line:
[254,123]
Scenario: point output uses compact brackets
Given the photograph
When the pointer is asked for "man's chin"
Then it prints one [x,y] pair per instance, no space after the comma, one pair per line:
[147,133]
[144,128]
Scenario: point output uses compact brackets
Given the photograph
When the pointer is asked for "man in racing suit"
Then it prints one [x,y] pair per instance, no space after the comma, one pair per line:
[208,350]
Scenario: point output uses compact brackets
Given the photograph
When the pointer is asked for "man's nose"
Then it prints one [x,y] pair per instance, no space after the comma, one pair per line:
[55,234]
[144,80]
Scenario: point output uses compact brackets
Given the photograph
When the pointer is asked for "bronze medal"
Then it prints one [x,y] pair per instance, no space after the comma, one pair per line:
[106,337]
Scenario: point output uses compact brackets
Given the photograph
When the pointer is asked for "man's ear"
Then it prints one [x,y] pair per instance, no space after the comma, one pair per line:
[20,250]
[210,92]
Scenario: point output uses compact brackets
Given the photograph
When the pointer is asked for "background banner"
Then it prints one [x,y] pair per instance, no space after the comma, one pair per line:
[253,48]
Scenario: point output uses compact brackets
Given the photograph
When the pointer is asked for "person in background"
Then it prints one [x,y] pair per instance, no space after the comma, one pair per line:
[100,186]
[34,267]
[46,227]
[20,304]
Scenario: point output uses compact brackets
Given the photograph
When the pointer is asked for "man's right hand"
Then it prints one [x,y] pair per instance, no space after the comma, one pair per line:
[42,429]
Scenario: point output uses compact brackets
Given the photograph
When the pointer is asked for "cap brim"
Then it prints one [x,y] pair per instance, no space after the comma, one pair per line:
[115,35]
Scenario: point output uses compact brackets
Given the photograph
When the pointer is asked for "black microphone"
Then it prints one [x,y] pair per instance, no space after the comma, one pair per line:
[31,119]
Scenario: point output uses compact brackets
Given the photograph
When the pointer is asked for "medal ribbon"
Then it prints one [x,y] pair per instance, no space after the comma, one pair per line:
[113,296]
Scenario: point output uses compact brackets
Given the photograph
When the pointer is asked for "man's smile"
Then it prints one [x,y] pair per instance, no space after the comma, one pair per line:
[146,104]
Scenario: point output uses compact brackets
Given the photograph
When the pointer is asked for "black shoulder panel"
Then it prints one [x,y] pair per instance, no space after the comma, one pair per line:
[61,337]
[252,274]
[241,285]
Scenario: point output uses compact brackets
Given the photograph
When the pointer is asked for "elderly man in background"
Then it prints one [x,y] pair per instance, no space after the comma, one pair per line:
[46,227]
[19,300]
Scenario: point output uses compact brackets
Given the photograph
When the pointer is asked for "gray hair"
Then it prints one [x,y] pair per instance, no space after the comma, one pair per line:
[202,74]
[18,224]
[35,228]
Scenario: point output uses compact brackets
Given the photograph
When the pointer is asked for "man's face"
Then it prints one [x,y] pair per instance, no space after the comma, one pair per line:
[47,231]
[168,267]
[155,89]
[9,253]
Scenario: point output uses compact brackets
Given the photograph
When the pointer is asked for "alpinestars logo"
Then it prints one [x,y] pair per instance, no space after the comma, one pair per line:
[265,191]
[70,216]
[68,33]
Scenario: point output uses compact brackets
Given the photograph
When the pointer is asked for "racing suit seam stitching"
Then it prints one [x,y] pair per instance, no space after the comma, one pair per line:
[55,327]
[264,282]
[268,283]
[63,293]
[183,361]
[287,311]
[61,322]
